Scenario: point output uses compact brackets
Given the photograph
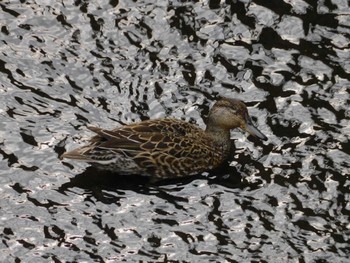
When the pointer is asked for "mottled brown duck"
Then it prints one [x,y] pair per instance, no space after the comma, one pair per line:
[167,148]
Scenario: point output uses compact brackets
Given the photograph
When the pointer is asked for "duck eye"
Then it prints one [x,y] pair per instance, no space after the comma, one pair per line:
[231,109]
[234,111]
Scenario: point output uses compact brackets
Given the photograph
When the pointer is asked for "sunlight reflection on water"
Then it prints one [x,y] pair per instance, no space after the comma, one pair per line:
[64,66]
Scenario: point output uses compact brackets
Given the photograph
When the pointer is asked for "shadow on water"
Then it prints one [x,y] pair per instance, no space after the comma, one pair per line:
[100,183]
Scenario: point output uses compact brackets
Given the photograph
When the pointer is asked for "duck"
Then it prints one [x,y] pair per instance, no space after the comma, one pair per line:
[167,147]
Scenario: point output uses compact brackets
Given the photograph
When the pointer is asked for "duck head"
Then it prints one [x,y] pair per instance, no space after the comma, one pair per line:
[227,114]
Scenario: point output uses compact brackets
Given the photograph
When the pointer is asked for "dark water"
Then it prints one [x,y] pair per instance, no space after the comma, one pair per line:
[67,64]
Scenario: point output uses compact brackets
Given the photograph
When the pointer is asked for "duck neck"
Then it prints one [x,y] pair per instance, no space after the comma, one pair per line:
[220,135]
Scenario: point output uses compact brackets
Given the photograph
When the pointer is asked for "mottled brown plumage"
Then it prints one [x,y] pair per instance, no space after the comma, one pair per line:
[166,148]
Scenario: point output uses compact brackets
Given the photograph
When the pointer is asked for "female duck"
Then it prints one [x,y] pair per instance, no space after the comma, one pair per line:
[167,148]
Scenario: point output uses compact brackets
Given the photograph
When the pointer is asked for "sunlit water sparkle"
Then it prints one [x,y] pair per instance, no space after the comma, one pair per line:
[68,64]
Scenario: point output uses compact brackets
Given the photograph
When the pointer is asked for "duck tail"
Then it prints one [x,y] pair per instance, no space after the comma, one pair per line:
[77,154]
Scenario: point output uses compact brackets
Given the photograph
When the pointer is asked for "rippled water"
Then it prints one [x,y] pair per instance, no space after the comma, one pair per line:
[67,64]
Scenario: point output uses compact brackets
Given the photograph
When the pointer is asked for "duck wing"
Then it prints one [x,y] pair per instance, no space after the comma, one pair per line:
[164,148]
[171,136]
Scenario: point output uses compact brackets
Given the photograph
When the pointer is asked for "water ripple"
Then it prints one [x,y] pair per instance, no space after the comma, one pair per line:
[66,65]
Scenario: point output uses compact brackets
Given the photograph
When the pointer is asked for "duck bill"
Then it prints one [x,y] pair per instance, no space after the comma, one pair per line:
[252,130]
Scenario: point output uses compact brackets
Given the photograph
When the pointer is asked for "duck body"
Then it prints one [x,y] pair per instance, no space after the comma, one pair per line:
[166,148]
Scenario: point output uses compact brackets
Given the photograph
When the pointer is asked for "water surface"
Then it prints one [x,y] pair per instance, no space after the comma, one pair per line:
[68,64]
